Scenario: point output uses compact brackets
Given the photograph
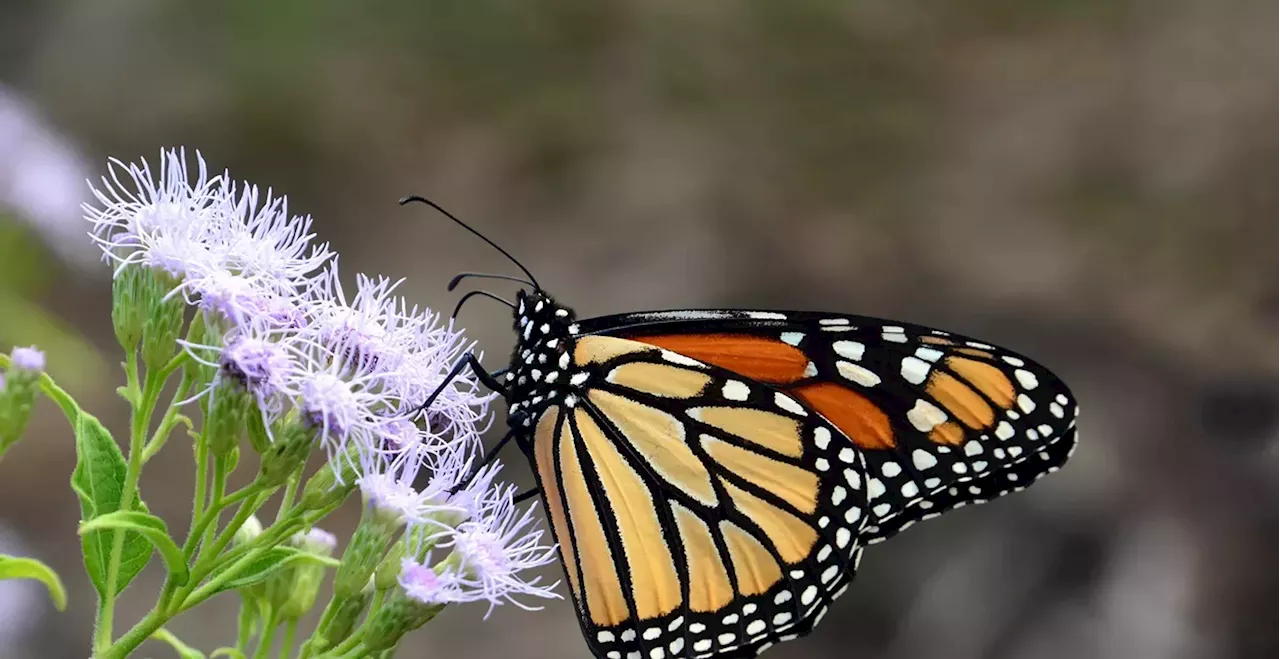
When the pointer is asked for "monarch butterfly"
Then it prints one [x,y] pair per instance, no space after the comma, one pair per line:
[712,476]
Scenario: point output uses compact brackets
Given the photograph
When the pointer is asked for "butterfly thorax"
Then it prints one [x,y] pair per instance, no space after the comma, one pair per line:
[541,367]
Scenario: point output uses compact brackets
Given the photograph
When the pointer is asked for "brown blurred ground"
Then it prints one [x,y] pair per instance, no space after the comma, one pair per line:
[1086,181]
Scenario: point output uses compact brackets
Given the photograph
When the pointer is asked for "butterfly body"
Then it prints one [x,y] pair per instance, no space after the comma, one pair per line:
[541,370]
[712,476]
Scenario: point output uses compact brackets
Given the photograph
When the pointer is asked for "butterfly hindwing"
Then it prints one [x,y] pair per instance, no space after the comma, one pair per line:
[941,420]
[699,513]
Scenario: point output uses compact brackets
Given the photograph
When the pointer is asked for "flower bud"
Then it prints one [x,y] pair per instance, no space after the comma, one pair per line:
[137,294]
[163,322]
[18,388]
[346,614]
[251,529]
[334,482]
[292,591]
[288,453]
[228,407]
[388,573]
[397,616]
[368,546]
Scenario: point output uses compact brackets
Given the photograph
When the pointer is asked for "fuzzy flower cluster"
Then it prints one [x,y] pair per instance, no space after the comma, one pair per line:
[491,555]
[352,365]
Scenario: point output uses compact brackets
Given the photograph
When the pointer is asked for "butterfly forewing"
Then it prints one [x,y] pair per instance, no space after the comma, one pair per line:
[699,513]
[941,420]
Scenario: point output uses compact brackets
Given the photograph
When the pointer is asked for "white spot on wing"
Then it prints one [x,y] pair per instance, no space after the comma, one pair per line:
[821,437]
[849,349]
[923,459]
[875,488]
[857,373]
[925,416]
[1026,378]
[929,354]
[834,321]
[735,390]
[792,338]
[677,358]
[915,370]
[766,315]
[789,404]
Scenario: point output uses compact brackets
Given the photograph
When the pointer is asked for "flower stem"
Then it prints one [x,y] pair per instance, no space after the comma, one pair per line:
[134,637]
[216,493]
[246,623]
[143,406]
[268,634]
[167,422]
[286,644]
[197,506]
[286,502]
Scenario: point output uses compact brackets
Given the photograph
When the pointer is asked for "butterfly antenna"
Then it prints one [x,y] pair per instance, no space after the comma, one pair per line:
[533,280]
[472,294]
[457,279]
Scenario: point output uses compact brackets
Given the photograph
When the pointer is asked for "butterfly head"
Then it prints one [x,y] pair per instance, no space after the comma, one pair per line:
[540,370]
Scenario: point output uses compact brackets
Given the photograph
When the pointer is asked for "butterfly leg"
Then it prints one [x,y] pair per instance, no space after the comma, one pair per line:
[488,458]
[468,360]
[524,496]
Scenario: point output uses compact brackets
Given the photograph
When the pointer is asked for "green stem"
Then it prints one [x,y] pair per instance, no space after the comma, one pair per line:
[260,545]
[215,497]
[168,421]
[182,602]
[322,627]
[246,623]
[209,553]
[134,637]
[143,406]
[202,478]
[286,644]
[268,634]
[286,502]
[351,643]
[356,652]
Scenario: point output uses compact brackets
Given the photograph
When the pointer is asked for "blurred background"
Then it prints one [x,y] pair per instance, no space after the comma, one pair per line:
[1086,181]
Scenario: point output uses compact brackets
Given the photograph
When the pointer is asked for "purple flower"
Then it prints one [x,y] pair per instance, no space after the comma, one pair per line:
[28,359]
[164,220]
[493,553]
[390,483]
[316,541]
[425,585]
[232,251]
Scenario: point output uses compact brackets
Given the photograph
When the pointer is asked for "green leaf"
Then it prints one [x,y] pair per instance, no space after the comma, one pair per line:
[233,653]
[153,529]
[98,480]
[185,651]
[12,567]
[276,558]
